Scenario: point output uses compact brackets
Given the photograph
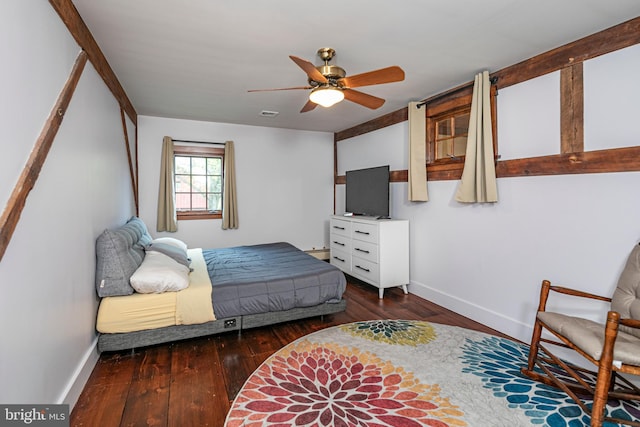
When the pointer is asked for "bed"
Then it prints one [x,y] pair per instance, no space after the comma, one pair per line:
[156,291]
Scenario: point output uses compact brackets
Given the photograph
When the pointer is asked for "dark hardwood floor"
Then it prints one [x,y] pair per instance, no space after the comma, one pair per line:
[194,382]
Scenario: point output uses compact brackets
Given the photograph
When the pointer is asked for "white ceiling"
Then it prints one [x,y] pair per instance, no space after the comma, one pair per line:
[196,59]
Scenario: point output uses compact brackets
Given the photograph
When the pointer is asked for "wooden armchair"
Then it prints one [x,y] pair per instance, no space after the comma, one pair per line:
[612,348]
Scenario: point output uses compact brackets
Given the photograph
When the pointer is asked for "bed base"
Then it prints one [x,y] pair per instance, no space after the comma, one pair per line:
[131,340]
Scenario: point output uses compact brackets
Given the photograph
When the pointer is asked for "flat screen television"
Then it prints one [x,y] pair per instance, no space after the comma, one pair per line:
[367,192]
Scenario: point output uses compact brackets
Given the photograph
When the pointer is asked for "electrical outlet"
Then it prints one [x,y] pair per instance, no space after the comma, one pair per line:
[229,323]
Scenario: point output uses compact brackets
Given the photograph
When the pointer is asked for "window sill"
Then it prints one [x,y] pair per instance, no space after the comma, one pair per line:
[198,215]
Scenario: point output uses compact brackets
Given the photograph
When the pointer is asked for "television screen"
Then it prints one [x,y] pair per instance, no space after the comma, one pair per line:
[367,191]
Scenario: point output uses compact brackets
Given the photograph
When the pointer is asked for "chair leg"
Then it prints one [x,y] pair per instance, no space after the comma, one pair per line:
[603,382]
[600,397]
[537,328]
[533,347]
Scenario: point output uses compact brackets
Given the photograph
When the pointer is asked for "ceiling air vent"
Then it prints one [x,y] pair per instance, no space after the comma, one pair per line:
[266,113]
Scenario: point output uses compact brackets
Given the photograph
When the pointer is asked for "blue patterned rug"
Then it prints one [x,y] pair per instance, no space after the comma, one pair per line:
[399,373]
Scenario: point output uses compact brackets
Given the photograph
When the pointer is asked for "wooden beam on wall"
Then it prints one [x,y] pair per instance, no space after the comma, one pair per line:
[614,38]
[625,159]
[28,177]
[572,109]
[392,118]
[132,174]
[80,32]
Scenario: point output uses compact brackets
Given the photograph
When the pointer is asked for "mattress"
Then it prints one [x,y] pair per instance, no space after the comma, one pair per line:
[269,278]
[227,283]
[152,311]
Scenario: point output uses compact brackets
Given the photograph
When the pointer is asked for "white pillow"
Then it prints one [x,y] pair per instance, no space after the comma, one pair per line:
[171,241]
[159,273]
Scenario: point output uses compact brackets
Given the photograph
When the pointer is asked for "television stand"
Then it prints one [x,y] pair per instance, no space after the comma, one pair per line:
[373,250]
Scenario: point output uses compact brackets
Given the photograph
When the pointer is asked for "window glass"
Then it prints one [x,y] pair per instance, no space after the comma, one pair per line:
[451,135]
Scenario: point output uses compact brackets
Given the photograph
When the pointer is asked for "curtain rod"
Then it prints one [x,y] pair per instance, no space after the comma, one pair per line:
[492,80]
[198,142]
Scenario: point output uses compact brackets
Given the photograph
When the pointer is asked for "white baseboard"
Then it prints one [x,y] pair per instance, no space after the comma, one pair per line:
[494,320]
[79,378]
[506,325]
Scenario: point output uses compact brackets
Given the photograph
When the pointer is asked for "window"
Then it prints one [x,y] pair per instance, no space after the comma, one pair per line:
[198,178]
[447,128]
[450,137]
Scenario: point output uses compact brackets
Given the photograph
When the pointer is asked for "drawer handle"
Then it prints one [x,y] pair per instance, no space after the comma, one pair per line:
[364,269]
[339,228]
[339,259]
[338,243]
[362,250]
[362,232]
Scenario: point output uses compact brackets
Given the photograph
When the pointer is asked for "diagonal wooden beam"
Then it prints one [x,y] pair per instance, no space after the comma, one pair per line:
[606,41]
[80,32]
[28,177]
[134,183]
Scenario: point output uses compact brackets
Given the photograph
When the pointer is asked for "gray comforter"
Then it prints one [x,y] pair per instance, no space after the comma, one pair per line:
[269,277]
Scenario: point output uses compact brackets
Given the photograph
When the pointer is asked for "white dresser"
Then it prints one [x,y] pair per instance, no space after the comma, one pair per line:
[373,250]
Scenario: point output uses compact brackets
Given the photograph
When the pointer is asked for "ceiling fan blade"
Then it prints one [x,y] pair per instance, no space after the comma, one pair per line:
[383,75]
[310,69]
[284,88]
[363,99]
[308,106]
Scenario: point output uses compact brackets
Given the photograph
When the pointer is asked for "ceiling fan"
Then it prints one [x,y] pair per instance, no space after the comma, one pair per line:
[329,84]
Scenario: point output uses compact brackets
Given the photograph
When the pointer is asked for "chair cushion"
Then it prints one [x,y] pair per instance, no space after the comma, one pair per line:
[626,298]
[589,337]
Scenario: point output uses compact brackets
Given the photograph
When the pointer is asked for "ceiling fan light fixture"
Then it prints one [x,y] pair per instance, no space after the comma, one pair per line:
[326,96]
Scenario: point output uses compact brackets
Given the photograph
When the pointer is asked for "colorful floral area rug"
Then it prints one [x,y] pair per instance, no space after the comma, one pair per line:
[402,374]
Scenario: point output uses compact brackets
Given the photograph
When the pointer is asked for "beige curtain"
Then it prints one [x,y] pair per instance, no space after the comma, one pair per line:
[478,182]
[229,196]
[417,154]
[167,220]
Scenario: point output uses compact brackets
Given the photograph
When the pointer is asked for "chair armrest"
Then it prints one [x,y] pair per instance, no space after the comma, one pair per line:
[632,323]
[578,293]
[546,288]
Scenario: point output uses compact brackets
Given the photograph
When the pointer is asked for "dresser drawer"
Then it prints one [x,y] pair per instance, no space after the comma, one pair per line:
[340,243]
[340,259]
[366,269]
[365,250]
[341,227]
[365,232]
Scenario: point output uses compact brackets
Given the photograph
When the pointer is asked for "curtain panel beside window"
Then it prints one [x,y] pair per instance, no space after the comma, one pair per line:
[478,182]
[417,188]
[167,217]
[229,196]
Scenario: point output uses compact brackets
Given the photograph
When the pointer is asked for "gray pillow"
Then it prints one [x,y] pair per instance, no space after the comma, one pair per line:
[119,253]
[141,235]
[171,251]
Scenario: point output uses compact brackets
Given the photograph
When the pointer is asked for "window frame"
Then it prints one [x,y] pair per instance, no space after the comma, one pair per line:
[199,151]
[432,129]
[447,105]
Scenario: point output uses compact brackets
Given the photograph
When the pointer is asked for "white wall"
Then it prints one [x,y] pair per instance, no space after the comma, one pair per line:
[487,261]
[48,303]
[522,109]
[611,92]
[284,183]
